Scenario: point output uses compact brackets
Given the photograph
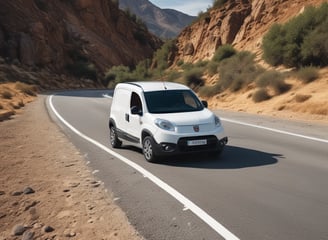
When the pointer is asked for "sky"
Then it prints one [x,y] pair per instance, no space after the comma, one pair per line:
[192,7]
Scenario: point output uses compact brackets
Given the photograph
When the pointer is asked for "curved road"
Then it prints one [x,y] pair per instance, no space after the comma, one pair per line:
[269,183]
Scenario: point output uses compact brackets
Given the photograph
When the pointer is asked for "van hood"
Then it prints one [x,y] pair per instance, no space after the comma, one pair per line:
[187,118]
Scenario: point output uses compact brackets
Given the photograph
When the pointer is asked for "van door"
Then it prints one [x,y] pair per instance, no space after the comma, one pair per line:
[133,118]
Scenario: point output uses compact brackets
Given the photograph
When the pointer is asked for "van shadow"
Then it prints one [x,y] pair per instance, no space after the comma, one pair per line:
[232,157]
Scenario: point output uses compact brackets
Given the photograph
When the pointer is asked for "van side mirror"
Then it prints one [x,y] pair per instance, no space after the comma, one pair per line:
[205,103]
[136,111]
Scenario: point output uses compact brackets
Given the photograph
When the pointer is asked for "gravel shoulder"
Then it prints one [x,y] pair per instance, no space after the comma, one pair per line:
[46,189]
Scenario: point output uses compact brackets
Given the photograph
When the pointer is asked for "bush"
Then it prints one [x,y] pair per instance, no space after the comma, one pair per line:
[273,79]
[142,70]
[308,74]
[273,45]
[300,42]
[237,71]
[209,91]
[173,76]
[162,54]
[193,78]
[223,52]
[261,95]
[118,74]
[187,66]
[201,64]
[212,68]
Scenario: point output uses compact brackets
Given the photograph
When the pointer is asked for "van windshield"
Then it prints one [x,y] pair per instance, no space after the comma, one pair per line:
[172,101]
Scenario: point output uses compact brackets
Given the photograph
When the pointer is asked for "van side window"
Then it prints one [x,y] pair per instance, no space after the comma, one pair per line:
[135,102]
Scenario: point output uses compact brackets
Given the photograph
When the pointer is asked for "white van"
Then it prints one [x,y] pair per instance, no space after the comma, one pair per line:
[163,118]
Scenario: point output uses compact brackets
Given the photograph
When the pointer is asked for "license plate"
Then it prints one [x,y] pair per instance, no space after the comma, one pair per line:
[197,142]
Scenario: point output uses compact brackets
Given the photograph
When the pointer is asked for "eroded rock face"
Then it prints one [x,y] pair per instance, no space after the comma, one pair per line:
[47,33]
[241,23]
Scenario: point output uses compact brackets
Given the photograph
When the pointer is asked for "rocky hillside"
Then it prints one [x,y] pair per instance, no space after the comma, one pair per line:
[241,23]
[165,23]
[57,35]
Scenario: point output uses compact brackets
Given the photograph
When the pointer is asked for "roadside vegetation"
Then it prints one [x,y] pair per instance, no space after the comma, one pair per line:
[300,44]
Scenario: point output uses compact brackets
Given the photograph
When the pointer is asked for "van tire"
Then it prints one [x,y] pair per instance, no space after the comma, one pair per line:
[114,141]
[148,149]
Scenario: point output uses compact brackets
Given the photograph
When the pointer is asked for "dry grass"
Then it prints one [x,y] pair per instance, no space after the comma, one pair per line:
[302,102]
[13,97]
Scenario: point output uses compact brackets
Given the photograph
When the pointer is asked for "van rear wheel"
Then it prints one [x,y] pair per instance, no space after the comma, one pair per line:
[148,149]
[114,141]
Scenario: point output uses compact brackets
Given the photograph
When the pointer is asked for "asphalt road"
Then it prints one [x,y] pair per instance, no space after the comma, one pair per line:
[271,182]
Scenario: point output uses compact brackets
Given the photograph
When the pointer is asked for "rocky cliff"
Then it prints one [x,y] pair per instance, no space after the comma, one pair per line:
[241,23]
[56,33]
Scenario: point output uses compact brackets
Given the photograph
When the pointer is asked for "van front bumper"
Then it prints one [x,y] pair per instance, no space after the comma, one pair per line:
[187,145]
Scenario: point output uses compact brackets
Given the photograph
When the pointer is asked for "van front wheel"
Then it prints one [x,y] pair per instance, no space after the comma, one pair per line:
[148,149]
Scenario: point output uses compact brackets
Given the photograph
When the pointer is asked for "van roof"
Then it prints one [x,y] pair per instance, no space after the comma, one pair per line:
[150,86]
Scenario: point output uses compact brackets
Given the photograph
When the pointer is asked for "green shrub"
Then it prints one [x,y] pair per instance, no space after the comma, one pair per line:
[261,95]
[308,74]
[237,71]
[212,68]
[302,41]
[315,47]
[173,76]
[187,66]
[273,79]
[223,52]
[118,74]
[162,54]
[142,70]
[201,64]
[209,91]
[193,78]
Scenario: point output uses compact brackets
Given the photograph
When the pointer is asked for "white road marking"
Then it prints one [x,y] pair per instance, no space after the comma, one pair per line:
[215,225]
[275,130]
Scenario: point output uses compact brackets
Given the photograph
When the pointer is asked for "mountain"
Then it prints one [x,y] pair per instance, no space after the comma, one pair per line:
[241,23]
[62,35]
[165,23]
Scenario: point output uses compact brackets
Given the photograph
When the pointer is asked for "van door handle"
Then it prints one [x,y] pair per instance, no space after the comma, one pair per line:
[127,117]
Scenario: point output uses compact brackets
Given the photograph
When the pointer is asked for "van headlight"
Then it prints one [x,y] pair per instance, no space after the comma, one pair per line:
[164,124]
[217,121]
